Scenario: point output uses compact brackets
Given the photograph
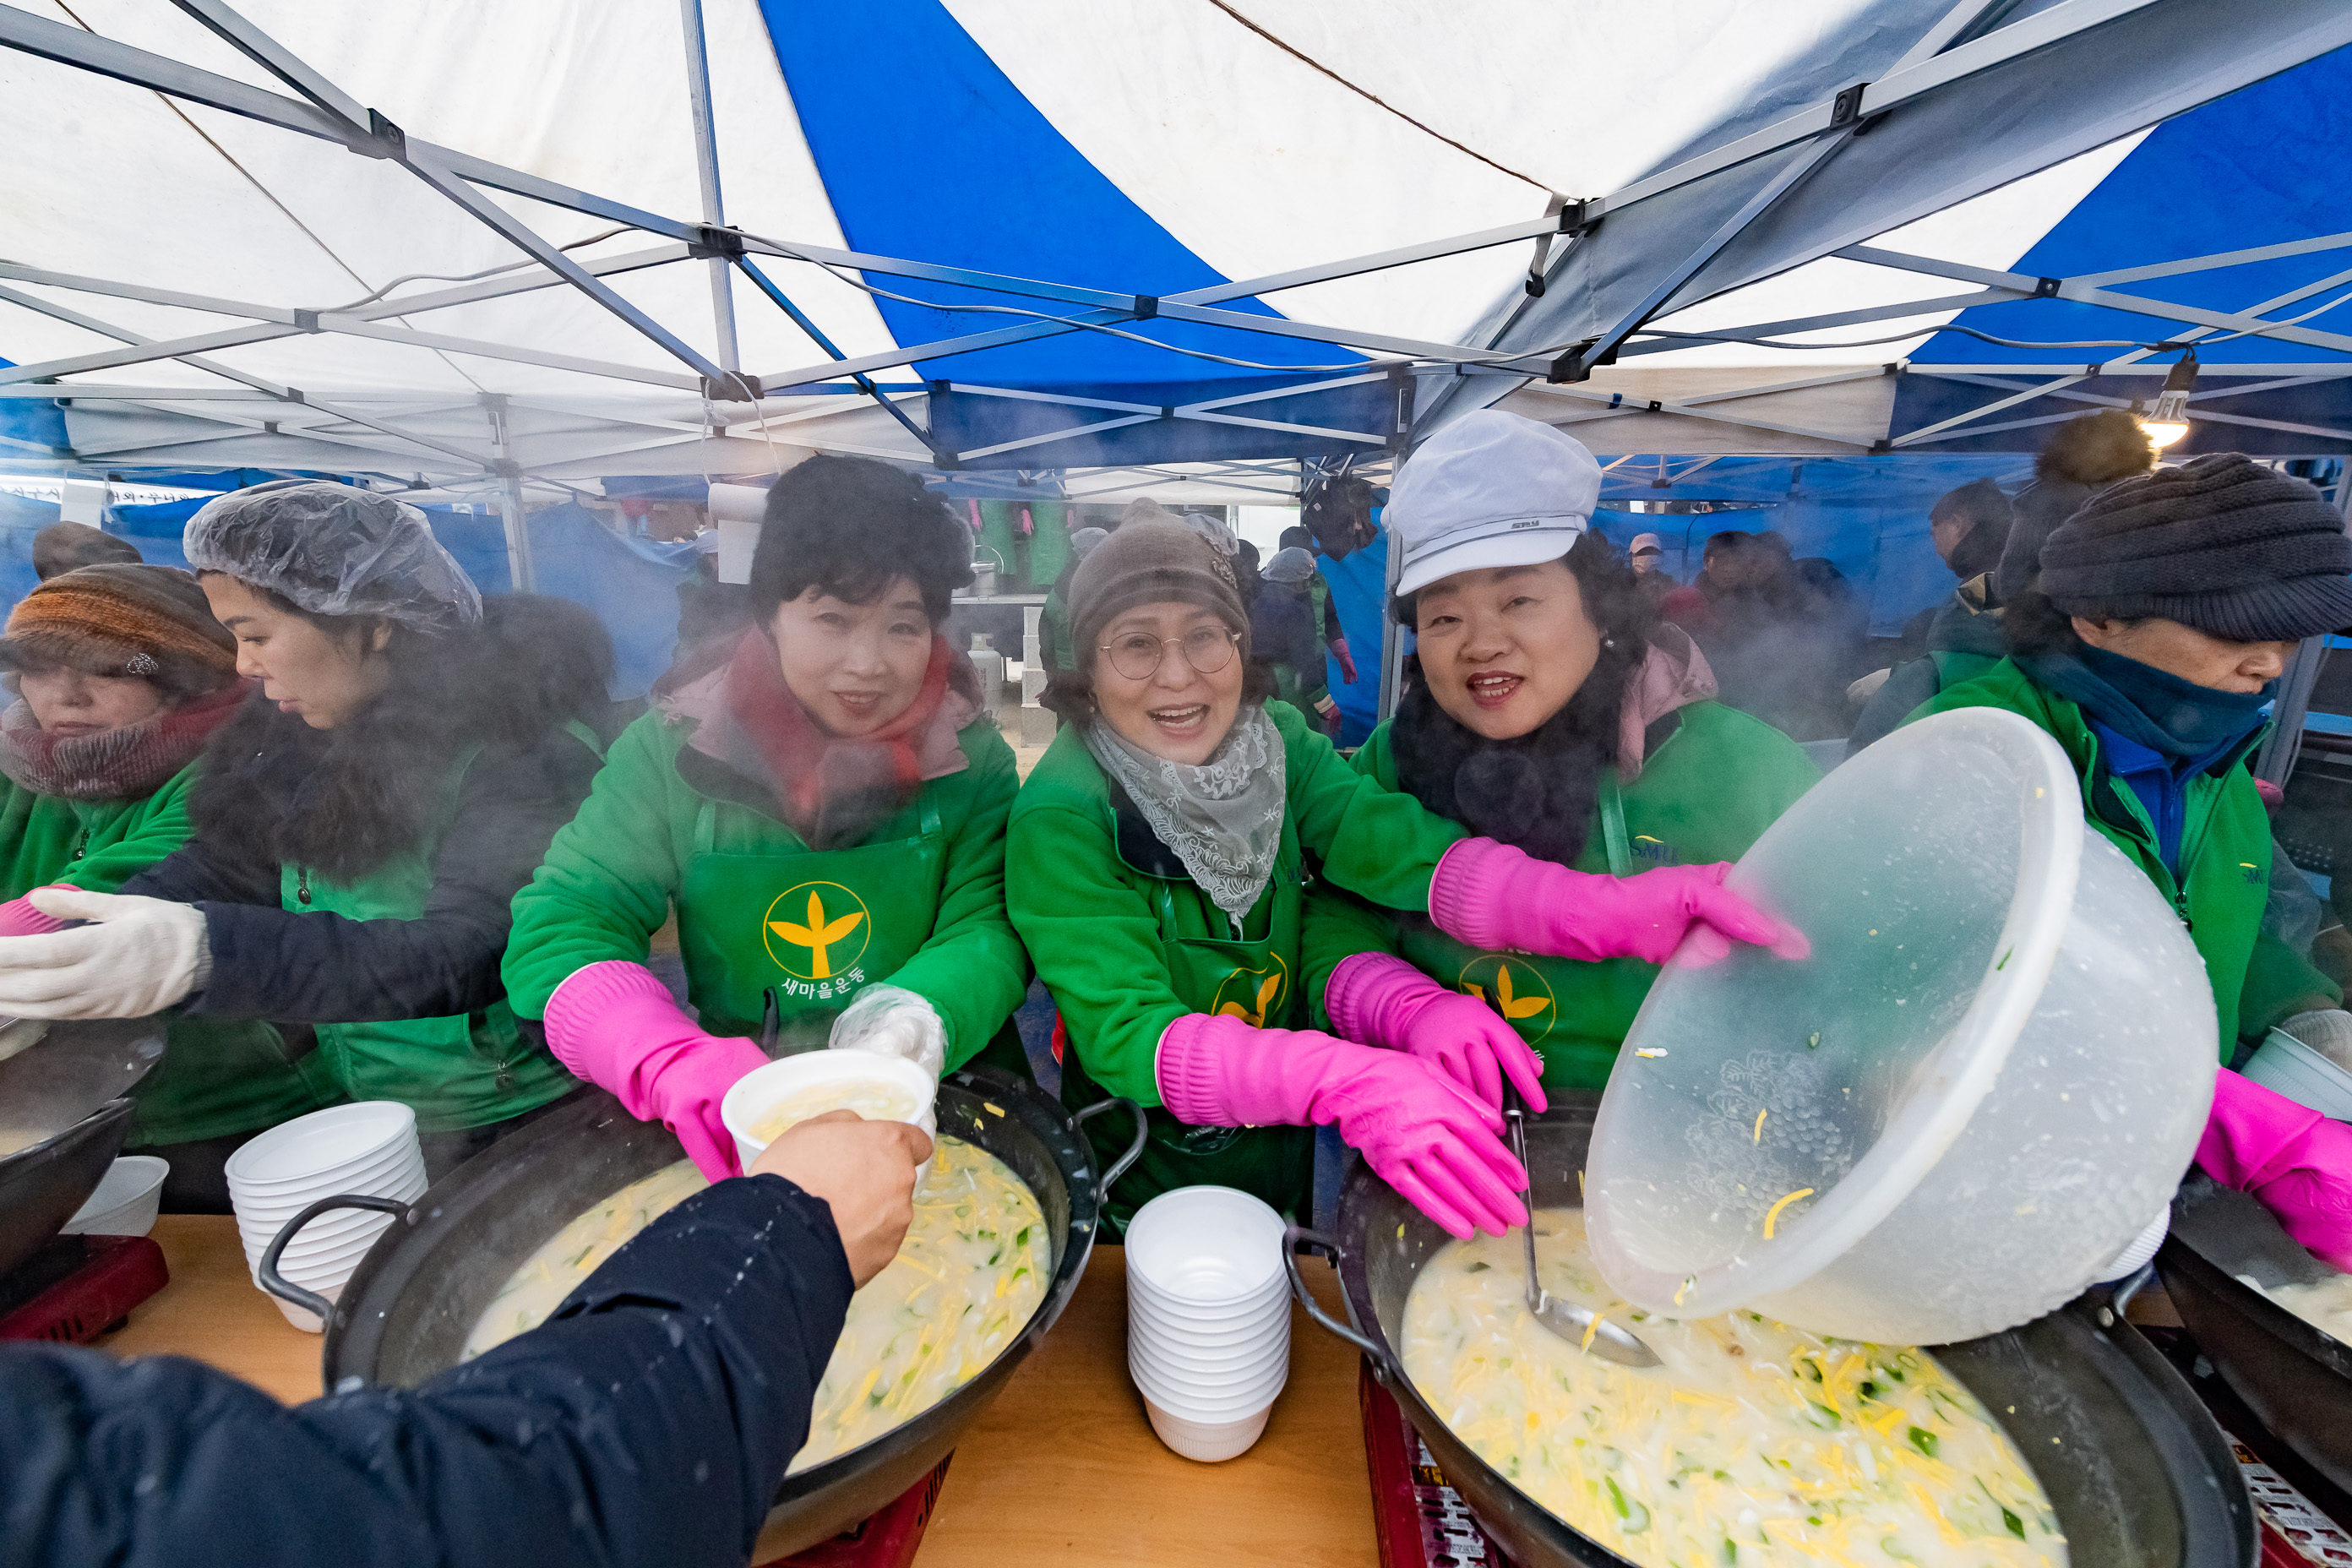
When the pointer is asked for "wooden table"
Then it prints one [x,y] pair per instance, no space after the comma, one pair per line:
[1062,1469]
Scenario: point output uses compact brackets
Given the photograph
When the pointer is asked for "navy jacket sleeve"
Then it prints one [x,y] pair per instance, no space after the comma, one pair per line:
[647,1423]
[270,963]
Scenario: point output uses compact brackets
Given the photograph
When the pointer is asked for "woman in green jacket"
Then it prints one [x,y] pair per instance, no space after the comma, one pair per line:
[1158,864]
[121,674]
[2149,647]
[361,825]
[824,807]
[1546,707]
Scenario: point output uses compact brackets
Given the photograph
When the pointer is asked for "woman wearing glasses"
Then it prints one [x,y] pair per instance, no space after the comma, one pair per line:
[1156,865]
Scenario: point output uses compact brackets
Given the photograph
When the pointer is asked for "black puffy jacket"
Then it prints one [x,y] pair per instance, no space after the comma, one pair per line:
[646,1424]
[275,792]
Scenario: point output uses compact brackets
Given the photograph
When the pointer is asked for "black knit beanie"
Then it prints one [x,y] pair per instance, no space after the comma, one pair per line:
[2219,543]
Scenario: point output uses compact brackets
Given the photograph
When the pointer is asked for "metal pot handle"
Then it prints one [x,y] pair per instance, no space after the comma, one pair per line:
[1293,1236]
[1125,1162]
[284,1290]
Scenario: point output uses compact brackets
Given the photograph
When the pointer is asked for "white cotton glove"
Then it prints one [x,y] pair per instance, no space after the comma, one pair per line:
[887,1020]
[1862,691]
[137,956]
[2327,1030]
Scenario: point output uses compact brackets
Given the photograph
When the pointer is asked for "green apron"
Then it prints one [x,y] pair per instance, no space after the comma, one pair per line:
[1248,980]
[1572,1013]
[776,943]
[457,1072]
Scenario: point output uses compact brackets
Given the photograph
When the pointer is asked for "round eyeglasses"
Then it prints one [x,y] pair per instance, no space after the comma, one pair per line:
[1137,655]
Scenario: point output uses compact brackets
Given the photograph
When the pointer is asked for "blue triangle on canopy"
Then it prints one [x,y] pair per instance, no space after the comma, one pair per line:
[929,153]
[2255,168]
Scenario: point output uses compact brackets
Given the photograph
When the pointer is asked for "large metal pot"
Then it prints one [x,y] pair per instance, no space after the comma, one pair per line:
[2296,1380]
[405,1315]
[71,1088]
[2139,1475]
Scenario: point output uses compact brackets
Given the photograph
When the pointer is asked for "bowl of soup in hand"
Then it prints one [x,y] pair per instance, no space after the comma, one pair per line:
[768,1099]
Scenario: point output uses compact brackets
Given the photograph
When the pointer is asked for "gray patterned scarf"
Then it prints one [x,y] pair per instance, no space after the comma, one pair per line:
[1223,818]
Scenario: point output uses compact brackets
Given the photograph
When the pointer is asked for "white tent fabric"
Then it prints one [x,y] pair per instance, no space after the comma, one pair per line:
[1258,136]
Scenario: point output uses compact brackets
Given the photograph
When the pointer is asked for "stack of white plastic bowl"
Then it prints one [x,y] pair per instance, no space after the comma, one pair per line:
[368,1147]
[1208,1317]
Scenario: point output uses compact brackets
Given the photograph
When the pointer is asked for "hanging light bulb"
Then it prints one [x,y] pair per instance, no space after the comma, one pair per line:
[2167,421]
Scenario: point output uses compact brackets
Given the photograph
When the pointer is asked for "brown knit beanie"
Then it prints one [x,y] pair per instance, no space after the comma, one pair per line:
[1150,564]
[122,619]
[62,546]
[2221,543]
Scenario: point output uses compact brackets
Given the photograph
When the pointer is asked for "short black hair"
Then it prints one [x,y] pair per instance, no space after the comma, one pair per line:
[1298,536]
[1729,540]
[849,527]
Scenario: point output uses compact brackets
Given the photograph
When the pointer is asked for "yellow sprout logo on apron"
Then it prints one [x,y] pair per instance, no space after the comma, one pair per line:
[816,929]
[1251,995]
[1515,991]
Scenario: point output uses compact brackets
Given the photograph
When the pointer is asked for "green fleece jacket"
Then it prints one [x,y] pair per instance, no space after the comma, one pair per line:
[95,845]
[216,1077]
[2225,855]
[1706,794]
[611,873]
[1094,923]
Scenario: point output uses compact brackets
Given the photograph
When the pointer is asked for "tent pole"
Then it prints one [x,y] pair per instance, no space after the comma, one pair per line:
[706,159]
[512,513]
[518,529]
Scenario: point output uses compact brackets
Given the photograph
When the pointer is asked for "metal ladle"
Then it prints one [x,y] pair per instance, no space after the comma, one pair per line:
[1580,1326]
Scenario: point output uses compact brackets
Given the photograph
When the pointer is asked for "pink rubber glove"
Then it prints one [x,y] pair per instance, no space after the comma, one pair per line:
[2297,1162]
[615,1024]
[1492,896]
[1434,1144]
[1338,646]
[19,918]
[1380,999]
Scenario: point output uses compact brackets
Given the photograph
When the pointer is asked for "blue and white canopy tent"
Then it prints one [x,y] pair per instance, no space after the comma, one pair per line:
[1037,247]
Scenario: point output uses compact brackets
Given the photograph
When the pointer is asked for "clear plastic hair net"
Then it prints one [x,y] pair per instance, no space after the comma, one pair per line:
[334,550]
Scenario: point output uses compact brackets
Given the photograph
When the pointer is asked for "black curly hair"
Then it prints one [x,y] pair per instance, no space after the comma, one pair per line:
[849,527]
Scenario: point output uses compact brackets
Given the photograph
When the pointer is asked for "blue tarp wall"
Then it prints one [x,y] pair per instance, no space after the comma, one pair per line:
[1867,516]
[630,584]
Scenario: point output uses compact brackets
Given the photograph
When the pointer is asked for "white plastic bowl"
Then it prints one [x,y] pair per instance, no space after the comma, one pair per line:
[312,1273]
[357,1175]
[1221,1317]
[1216,1372]
[266,1220]
[304,1319]
[1992,1070]
[906,1089]
[2292,1069]
[1211,1442]
[127,1200]
[305,1247]
[296,1152]
[1143,1325]
[1198,1301]
[1199,1400]
[1205,1246]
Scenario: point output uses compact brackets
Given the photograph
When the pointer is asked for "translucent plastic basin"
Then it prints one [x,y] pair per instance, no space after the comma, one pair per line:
[1988,1075]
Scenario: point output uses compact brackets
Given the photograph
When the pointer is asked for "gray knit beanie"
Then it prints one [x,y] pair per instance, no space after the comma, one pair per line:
[2219,543]
[1150,563]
